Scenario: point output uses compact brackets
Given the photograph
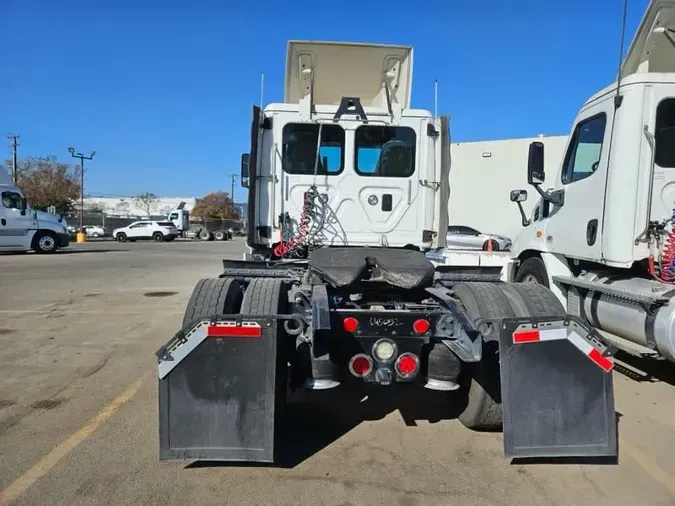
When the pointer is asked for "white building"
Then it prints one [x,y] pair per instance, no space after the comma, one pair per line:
[483,173]
[128,206]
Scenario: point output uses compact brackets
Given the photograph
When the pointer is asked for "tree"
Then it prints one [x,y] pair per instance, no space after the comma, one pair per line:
[215,206]
[47,182]
[146,201]
[122,208]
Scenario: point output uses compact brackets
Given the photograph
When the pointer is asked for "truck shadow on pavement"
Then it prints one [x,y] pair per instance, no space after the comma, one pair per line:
[306,428]
[645,370]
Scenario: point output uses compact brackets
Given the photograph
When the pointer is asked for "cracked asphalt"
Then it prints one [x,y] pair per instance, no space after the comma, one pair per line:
[78,409]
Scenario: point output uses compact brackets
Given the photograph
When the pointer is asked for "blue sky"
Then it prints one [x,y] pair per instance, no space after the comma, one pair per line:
[162,90]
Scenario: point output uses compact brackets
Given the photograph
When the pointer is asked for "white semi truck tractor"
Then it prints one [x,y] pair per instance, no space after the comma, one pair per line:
[602,236]
[348,188]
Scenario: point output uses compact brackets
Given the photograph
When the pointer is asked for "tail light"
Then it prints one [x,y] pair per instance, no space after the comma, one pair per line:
[360,365]
[421,326]
[350,324]
[407,365]
[384,350]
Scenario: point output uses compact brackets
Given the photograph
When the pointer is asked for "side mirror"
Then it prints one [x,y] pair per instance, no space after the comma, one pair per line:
[518,195]
[23,205]
[245,158]
[535,164]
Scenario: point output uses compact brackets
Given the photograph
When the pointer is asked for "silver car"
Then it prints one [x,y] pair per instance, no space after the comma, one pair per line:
[461,237]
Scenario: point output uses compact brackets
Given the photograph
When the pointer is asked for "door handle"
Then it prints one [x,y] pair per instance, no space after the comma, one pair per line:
[387,202]
[591,232]
[3,221]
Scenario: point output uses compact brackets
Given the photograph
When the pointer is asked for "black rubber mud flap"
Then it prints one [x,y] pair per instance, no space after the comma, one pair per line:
[556,400]
[217,394]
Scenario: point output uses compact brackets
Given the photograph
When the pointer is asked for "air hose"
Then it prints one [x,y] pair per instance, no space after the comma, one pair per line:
[666,268]
[301,237]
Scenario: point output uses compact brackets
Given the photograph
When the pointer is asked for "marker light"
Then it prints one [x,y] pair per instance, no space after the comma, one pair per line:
[421,326]
[360,365]
[350,324]
[407,365]
[384,350]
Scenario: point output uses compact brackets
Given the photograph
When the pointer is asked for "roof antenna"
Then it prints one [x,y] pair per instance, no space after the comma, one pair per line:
[435,98]
[618,99]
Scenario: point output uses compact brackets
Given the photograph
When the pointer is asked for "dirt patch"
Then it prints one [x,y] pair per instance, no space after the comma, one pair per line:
[47,403]
[160,294]
[4,332]
[6,403]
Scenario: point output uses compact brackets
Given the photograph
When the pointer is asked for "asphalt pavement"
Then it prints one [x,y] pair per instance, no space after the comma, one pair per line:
[78,409]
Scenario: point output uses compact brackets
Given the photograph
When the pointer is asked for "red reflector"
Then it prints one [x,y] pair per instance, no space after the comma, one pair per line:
[350,324]
[360,365]
[407,365]
[525,336]
[245,330]
[605,363]
[421,326]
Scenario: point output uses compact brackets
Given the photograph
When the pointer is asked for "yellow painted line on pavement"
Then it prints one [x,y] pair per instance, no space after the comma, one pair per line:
[648,465]
[45,464]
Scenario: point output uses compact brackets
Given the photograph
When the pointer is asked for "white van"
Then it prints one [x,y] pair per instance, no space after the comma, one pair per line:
[23,228]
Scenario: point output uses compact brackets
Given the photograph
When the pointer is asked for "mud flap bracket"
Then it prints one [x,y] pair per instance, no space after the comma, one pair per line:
[557,389]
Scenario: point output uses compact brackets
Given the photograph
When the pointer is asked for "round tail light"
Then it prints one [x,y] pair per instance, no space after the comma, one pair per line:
[360,365]
[384,350]
[421,326]
[407,365]
[350,324]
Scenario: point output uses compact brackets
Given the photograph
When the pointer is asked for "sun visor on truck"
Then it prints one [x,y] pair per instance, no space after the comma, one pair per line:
[348,70]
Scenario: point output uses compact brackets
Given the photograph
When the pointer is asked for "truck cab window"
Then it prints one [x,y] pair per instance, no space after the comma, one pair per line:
[583,154]
[384,151]
[299,149]
[665,134]
[11,200]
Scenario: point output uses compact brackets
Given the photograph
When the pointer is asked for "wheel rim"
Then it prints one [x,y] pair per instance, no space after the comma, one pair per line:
[530,278]
[158,238]
[47,243]
[121,237]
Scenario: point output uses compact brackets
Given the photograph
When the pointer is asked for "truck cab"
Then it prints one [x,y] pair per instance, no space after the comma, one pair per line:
[607,215]
[23,228]
[346,151]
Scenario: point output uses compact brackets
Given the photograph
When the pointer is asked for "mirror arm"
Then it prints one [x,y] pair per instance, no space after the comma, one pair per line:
[523,217]
[557,197]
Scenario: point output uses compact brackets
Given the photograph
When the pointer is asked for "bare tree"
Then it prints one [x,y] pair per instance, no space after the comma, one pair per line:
[146,201]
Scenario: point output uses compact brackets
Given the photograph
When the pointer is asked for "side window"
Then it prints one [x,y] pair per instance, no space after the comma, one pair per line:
[173,216]
[665,134]
[11,200]
[299,149]
[583,154]
[384,151]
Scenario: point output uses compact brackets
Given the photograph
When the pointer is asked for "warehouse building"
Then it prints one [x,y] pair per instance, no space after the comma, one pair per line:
[483,173]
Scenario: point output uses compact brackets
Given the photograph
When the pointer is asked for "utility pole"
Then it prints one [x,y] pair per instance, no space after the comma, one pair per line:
[15,164]
[232,177]
[80,234]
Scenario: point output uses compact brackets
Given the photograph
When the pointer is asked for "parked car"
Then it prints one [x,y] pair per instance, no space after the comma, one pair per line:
[461,237]
[158,231]
[94,231]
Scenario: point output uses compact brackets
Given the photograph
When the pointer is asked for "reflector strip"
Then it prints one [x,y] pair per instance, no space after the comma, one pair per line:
[605,363]
[535,335]
[231,329]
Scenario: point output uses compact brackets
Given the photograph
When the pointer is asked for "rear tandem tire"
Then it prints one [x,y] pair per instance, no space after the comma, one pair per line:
[212,296]
[482,385]
[268,296]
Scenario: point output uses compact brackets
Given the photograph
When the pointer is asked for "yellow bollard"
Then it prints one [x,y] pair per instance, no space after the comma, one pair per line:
[81,237]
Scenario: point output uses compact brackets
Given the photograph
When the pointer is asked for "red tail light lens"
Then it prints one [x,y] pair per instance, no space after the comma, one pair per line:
[407,365]
[350,324]
[421,326]
[360,365]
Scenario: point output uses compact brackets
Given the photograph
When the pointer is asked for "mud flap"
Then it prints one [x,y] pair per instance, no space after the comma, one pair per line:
[557,389]
[216,392]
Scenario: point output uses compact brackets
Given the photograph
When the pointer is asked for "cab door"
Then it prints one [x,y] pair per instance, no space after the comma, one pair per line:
[573,229]
[17,223]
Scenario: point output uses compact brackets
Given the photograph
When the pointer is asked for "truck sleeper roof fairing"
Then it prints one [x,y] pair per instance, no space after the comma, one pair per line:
[330,71]
[653,46]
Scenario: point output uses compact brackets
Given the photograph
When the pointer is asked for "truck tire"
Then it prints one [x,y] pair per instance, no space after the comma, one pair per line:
[212,296]
[483,408]
[267,296]
[529,299]
[219,235]
[205,235]
[44,242]
[532,270]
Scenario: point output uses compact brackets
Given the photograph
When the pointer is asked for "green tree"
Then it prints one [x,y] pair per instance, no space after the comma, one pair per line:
[47,182]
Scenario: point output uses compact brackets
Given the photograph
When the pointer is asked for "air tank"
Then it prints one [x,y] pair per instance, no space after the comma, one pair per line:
[628,319]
